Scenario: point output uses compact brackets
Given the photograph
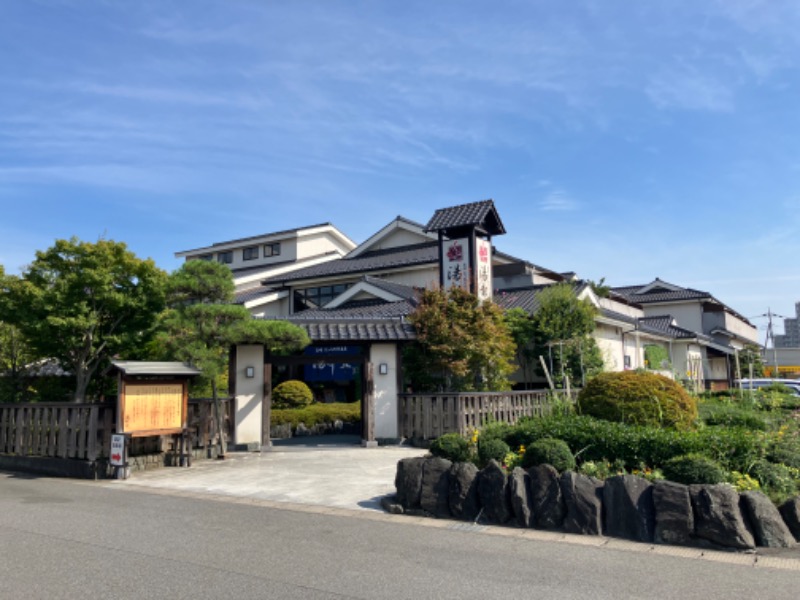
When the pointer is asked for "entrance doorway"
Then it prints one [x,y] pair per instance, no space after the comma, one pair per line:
[340,379]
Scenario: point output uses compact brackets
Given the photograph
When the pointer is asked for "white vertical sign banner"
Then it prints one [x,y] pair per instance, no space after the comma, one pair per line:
[483,268]
[455,263]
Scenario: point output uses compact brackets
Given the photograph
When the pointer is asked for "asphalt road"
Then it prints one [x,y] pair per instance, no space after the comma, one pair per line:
[68,539]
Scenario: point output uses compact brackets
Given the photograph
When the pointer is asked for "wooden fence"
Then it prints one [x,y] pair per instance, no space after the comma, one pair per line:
[427,416]
[83,431]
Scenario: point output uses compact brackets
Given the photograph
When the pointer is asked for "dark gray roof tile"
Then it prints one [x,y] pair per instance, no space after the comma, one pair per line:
[464,215]
[378,260]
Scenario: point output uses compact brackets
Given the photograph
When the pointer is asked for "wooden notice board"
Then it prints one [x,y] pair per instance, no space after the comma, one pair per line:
[153,407]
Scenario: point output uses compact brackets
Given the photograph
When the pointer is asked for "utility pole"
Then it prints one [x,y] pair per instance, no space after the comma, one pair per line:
[771,336]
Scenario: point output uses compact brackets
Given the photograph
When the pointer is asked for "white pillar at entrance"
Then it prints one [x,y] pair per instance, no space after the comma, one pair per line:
[386,389]
[249,394]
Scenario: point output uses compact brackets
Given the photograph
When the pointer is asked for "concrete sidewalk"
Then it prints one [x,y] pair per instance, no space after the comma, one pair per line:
[326,471]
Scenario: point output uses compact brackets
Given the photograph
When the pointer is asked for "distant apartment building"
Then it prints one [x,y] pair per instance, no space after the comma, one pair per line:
[791,331]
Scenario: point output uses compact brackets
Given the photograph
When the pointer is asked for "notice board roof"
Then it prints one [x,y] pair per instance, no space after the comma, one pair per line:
[142,367]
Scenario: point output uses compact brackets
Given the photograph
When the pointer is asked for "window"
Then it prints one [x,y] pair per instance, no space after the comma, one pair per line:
[205,257]
[317,297]
[250,253]
[225,258]
[272,249]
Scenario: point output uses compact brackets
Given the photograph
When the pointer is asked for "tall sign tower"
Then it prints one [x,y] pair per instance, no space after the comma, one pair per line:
[465,245]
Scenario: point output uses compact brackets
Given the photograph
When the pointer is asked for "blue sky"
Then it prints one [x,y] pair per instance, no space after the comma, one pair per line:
[624,140]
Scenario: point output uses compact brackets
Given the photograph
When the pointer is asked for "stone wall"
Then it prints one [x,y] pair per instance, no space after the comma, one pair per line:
[624,506]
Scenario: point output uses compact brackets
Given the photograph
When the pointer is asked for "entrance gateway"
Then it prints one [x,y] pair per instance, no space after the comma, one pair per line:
[367,374]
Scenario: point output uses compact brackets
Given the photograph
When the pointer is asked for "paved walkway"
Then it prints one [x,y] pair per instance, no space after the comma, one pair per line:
[330,471]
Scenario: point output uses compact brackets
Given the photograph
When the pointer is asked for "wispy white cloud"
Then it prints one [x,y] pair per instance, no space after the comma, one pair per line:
[558,200]
[687,88]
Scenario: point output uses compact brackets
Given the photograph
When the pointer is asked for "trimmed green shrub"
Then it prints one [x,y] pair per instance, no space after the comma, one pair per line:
[292,394]
[694,468]
[451,446]
[315,414]
[549,451]
[596,440]
[638,398]
[492,448]
[776,480]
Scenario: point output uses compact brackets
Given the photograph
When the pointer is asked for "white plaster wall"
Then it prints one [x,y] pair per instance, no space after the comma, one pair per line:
[314,244]
[386,390]
[399,238]
[278,308]
[249,394]
[424,277]
[609,340]
[731,323]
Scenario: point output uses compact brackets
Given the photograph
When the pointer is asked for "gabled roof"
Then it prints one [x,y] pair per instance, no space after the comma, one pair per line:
[361,309]
[665,325]
[660,291]
[275,234]
[481,213]
[378,289]
[398,223]
[355,330]
[378,260]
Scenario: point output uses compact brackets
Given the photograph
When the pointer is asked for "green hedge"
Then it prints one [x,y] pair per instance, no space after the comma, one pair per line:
[315,414]
[595,439]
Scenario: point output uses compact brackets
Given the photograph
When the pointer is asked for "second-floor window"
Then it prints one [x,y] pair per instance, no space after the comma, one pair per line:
[250,253]
[205,257]
[225,258]
[272,249]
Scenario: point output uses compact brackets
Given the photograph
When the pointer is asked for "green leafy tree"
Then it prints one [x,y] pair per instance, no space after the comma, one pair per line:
[82,303]
[462,344]
[201,325]
[563,327]
[522,329]
[750,356]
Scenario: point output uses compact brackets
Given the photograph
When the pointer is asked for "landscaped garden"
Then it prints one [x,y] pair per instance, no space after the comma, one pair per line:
[728,448]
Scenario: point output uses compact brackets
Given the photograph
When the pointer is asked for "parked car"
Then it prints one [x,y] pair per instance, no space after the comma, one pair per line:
[754,384]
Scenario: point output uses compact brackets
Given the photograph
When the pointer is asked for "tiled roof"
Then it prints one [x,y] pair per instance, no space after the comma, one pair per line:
[252,294]
[378,260]
[633,294]
[398,289]
[474,213]
[361,309]
[356,330]
[663,325]
[524,298]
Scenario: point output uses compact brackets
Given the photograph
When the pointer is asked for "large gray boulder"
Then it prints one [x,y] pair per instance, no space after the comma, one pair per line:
[463,493]
[493,493]
[434,496]
[717,517]
[674,521]
[768,527]
[547,503]
[583,502]
[628,507]
[518,488]
[408,482]
[790,511]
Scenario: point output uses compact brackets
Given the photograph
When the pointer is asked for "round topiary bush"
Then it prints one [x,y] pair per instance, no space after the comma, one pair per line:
[451,446]
[492,448]
[292,394]
[693,468]
[638,398]
[549,451]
